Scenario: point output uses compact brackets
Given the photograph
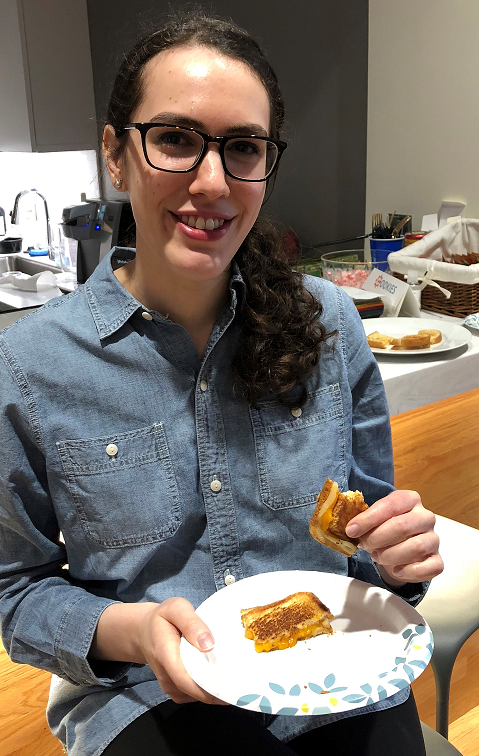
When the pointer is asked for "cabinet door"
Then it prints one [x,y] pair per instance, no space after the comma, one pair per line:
[16,122]
[46,100]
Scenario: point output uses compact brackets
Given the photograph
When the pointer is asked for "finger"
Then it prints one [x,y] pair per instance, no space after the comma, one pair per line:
[170,671]
[419,571]
[415,549]
[394,504]
[180,613]
[399,529]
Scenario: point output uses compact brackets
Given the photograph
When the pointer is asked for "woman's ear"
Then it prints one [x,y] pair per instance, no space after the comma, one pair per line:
[112,160]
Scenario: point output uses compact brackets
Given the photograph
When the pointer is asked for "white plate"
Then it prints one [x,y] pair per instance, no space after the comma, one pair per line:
[380,645]
[453,335]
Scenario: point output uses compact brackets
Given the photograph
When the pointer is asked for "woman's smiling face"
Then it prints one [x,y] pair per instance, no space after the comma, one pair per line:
[200,88]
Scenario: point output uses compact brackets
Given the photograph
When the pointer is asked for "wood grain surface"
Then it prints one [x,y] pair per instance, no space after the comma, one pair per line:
[436,453]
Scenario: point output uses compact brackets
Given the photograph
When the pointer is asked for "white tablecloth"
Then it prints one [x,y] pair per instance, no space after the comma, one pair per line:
[413,381]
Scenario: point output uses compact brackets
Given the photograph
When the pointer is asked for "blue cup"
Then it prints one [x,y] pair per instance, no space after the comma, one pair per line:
[380,249]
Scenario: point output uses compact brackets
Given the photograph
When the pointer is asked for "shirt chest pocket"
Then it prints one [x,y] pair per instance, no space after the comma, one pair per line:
[298,448]
[123,486]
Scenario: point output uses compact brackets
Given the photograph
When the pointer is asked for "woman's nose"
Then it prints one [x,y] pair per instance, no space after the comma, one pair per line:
[209,176]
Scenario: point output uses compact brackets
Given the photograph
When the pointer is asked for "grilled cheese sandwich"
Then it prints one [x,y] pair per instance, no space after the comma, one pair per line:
[333,512]
[280,625]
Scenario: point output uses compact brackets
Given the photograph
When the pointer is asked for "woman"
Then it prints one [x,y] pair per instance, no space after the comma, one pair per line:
[176,420]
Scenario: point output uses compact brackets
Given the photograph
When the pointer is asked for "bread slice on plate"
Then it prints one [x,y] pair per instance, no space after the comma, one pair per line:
[280,625]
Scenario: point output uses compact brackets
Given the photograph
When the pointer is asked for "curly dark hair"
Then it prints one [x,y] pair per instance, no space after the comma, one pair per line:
[281,337]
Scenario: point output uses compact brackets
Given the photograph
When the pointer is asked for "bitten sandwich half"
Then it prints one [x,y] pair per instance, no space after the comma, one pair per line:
[283,623]
[333,512]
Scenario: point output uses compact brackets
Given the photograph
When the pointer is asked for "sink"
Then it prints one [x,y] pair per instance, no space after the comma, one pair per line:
[23,263]
[15,299]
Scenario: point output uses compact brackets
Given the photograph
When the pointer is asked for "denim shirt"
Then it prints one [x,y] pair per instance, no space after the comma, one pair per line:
[197,489]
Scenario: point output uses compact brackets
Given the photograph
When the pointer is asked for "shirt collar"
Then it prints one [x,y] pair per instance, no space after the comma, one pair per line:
[111,305]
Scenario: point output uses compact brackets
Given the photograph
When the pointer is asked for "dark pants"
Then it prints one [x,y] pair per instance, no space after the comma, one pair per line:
[194,729]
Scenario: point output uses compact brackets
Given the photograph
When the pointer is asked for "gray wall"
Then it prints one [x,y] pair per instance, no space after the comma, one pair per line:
[319,50]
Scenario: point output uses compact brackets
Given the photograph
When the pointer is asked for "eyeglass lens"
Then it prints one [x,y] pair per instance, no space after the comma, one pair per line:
[178,150]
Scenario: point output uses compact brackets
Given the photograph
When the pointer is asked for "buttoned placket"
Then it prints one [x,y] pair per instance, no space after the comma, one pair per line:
[214,470]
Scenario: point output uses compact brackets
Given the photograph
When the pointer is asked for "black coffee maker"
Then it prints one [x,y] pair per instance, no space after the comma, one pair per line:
[97,225]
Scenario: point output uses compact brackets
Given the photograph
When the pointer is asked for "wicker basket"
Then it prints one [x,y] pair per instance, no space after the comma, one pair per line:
[464,299]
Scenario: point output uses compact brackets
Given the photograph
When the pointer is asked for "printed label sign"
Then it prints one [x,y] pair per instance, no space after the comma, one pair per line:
[397,296]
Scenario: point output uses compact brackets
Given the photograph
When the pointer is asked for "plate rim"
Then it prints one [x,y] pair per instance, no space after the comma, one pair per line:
[276,701]
[467,336]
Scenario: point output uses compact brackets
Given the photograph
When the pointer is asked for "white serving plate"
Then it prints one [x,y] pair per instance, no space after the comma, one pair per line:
[380,645]
[453,336]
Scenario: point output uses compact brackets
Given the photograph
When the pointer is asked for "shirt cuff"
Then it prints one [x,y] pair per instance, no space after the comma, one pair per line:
[73,641]
[363,568]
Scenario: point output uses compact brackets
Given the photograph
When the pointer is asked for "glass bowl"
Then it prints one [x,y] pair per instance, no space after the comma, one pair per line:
[346,268]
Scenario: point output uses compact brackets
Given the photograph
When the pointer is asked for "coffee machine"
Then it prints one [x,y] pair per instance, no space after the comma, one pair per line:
[97,225]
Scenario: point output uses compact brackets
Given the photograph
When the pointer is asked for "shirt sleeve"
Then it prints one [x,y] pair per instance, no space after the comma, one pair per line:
[46,621]
[372,463]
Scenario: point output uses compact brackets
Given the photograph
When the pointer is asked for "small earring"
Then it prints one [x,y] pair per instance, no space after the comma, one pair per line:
[117,183]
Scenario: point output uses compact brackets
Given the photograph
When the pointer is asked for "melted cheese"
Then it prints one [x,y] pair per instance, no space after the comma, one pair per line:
[328,506]
[326,518]
[285,641]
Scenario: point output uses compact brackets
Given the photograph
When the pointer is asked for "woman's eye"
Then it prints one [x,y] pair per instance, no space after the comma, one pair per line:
[244,147]
[173,139]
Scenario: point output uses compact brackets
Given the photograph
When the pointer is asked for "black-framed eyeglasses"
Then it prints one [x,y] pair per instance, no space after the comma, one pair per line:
[177,149]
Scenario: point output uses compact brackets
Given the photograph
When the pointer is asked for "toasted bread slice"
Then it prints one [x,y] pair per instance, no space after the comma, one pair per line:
[332,513]
[283,623]
[378,340]
[434,334]
[416,341]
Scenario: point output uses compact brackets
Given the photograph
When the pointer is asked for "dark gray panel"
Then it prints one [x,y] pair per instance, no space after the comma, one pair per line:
[319,50]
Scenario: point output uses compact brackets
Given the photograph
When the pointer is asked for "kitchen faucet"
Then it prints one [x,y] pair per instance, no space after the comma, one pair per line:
[15,212]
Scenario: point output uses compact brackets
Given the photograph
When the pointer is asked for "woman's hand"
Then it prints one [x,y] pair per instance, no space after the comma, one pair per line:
[149,633]
[159,638]
[399,534]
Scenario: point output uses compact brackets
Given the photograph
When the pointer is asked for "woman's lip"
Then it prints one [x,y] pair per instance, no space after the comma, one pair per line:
[200,234]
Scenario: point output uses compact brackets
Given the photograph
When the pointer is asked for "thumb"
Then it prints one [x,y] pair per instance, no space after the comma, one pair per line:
[180,613]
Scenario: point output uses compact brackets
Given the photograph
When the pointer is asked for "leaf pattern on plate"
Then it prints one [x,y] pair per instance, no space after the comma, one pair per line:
[399,660]
[245,700]
[265,706]
[367,688]
[399,683]
[354,698]
[407,633]
[295,690]
[277,688]
[287,711]
[321,710]
[329,681]
[316,688]
[418,663]
[382,693]
[369,701]
[409,672]
[420,629]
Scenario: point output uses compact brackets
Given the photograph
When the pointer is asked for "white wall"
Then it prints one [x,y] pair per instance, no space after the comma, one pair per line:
[423,109]
[60,176]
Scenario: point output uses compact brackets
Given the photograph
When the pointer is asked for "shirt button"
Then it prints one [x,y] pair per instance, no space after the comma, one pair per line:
[146,315]
[111,450]
[215,486]
[296,412]
[230,579]
[203,385]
